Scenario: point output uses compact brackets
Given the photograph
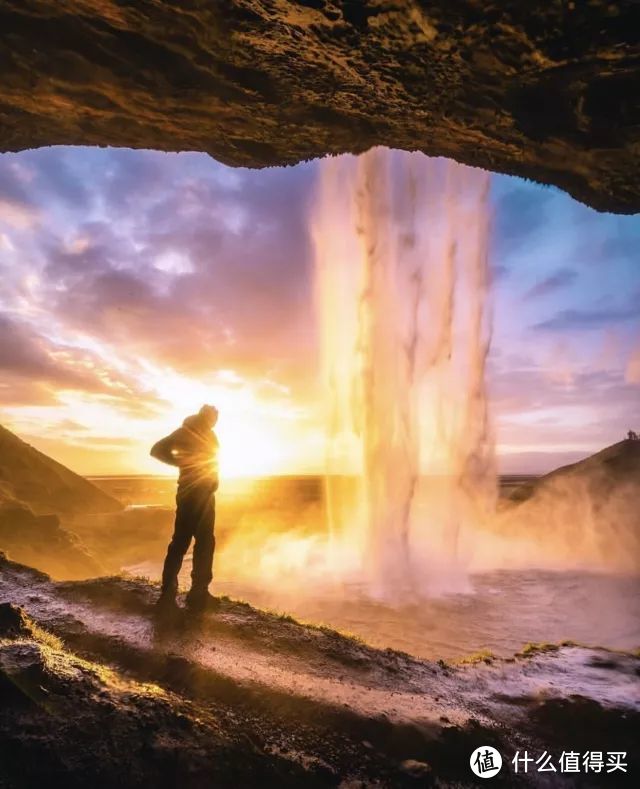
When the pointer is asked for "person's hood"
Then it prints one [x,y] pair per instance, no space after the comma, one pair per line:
[194,422]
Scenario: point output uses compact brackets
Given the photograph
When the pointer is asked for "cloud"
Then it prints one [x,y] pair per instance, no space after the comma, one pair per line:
[44,177]
[556,281]
[35,369]
[498,271]
[15,181]
[589,318]
[17,215]
[56,175]
[18,391]
[25,353]
[240,295]
[520,212]
[536,410]
[140,263]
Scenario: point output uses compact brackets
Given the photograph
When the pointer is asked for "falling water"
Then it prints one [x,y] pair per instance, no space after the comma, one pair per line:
[402,293]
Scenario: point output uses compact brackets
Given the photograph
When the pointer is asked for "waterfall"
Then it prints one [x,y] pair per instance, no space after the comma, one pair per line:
[402,292]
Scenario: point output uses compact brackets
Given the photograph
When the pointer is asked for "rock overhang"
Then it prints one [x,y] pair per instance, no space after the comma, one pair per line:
[547,91]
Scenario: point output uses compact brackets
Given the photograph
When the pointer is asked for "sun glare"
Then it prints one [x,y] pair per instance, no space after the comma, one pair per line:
[247,450]
[259,434]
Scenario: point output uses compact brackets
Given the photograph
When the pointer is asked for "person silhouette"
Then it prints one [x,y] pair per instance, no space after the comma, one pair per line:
[193,448]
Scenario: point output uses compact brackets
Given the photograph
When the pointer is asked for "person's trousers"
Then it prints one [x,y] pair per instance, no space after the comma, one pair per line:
[195,519]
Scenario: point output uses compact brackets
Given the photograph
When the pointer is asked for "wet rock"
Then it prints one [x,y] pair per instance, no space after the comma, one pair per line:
[415,768]
[582,724]
[68,722]
[13,621]
[126,594]
[24,679]
[271,705]
[547,91]
[600,662]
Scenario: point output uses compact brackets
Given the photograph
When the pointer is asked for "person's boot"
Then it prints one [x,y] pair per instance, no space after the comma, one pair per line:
[201,601]
[167,604]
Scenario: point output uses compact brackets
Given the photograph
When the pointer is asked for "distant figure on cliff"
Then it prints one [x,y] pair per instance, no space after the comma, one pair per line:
[193,448]
[632,435]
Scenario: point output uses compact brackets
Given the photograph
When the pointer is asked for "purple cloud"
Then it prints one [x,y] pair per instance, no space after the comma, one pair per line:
[589,318]
[556,281]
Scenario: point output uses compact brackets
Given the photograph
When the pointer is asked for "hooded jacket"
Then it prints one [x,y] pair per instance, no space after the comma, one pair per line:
[193,448]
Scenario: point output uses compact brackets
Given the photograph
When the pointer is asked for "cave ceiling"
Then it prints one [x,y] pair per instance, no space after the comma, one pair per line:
[549,91]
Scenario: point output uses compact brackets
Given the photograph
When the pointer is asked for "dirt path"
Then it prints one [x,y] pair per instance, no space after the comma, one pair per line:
[247,658]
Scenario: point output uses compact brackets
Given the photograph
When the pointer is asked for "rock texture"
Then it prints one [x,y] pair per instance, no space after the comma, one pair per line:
[548,91]
[97,691]
[65,721]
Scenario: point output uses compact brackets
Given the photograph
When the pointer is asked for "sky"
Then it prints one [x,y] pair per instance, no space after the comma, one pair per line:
[136,285]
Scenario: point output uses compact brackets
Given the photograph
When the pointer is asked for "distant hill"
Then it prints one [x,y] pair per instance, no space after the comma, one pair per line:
[584,513]
[28,477]
[606,470]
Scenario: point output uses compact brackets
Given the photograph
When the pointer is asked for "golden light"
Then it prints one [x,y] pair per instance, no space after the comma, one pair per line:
[262,431]
[248,449]
[258,430]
